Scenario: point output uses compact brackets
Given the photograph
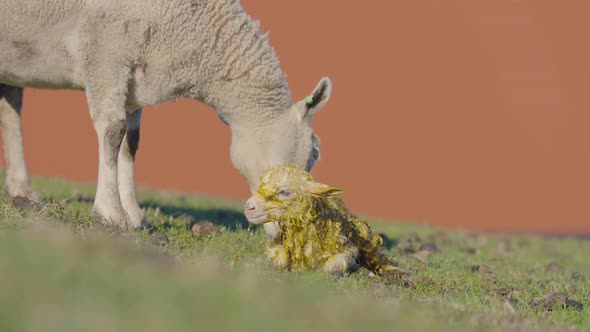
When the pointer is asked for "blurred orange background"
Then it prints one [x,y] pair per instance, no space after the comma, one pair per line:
[471,114]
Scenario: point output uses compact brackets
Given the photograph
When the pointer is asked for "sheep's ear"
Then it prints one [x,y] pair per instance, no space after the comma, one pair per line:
[322,189]
[316,100]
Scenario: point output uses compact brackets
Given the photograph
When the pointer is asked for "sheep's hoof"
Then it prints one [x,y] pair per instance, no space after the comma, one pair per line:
[119,220]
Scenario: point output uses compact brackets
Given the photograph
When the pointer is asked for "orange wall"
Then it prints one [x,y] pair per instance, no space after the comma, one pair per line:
[456,113]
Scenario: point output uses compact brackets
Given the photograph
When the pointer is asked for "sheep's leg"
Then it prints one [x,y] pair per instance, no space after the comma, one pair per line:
[110,129]
[107,95]
[126,170]
[17,177]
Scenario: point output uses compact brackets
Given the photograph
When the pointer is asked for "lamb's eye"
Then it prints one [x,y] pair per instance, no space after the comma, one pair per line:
[282,194]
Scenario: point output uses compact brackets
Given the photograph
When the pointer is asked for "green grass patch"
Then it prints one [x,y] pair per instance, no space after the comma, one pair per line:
[60,271]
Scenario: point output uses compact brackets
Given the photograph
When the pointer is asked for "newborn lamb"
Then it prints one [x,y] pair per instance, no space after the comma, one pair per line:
[317,232]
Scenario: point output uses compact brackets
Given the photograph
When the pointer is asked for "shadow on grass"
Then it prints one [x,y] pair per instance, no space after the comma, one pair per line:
[388,242]
[230,219]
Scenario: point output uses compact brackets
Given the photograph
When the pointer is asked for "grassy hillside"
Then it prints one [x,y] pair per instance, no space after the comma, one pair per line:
[60,271]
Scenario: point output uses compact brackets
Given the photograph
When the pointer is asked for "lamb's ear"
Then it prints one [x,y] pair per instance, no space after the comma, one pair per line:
[322,189]
[316,100]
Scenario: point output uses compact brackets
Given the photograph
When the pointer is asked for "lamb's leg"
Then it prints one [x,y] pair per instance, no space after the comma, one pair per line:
[17,177]
[272,230]
[341,262]
[277,256]
[126,170]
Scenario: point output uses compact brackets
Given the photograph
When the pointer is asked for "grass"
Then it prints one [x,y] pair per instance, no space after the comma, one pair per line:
[60,271]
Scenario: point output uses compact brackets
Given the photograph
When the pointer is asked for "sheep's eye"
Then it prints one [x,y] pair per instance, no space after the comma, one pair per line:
[315,153]
[282,194]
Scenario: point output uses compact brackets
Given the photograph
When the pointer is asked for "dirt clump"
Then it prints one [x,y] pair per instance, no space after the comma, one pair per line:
[553,301]
[553,267]
[429,247]
[205,228]
[23,203]
[577,276]
[397,277]
[159,240]
[186,217]
[485,271]
[469,250]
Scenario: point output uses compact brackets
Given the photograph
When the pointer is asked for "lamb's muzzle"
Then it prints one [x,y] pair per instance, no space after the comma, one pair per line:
[253,213]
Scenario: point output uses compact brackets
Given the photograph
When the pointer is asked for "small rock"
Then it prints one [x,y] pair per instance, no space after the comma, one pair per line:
[553,267]
[159,239]
[550,301]
[429,247]
[469,250]
[21,202]
[577,276]
[186,217]
[205,228]
[484,271]
[573,304]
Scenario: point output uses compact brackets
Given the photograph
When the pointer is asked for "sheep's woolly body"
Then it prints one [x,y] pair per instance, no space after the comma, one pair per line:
[317,232]
[210,50]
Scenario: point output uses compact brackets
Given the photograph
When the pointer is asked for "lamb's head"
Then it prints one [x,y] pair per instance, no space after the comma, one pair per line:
[283,139]
[286,192]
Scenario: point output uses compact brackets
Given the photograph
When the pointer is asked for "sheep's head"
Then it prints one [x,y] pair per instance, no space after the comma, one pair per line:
[285,139]
[286,192]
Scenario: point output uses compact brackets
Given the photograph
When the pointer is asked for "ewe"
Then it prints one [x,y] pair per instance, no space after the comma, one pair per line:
[316,231]
[126,54]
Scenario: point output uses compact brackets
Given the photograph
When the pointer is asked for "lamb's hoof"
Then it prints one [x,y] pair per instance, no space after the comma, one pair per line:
[24,203]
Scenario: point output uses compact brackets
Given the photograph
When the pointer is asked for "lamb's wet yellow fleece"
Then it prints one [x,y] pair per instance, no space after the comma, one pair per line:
[317,232]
